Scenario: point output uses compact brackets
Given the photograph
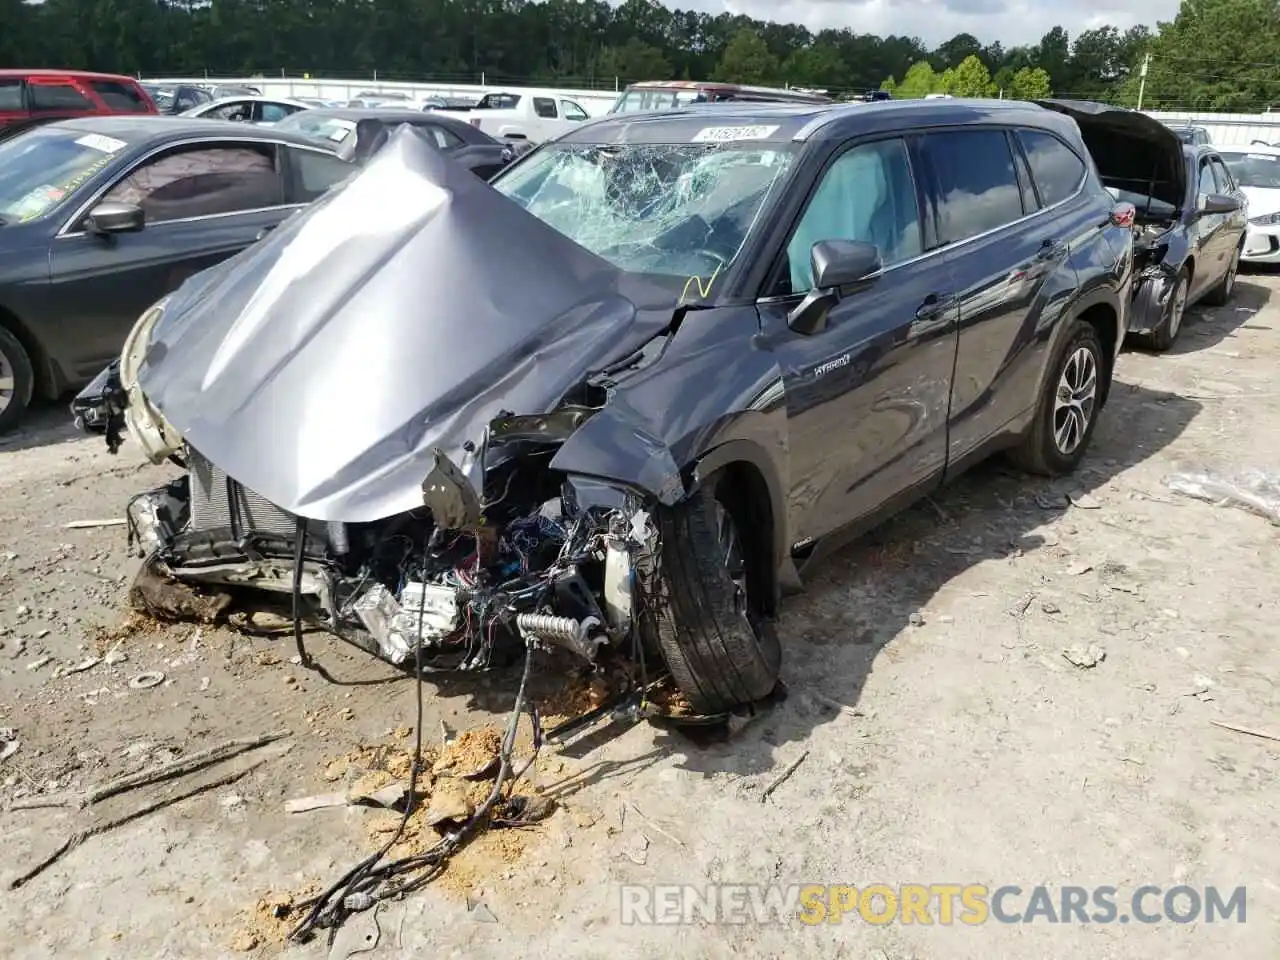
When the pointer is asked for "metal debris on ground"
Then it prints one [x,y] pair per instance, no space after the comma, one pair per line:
[1255,490]
[145,681]
[93,524]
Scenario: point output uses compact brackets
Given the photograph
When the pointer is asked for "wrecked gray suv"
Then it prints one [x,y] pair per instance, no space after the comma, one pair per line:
[617,397]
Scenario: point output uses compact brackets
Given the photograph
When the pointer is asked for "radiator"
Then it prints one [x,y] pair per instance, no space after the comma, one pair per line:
[211,508]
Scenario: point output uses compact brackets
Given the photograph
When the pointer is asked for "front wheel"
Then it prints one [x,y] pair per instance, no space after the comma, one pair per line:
[1068,408]
[1166,333]
[17,380]
[698,608]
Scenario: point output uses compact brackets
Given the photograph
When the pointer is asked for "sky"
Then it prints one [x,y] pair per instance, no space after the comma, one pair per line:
[1012,22]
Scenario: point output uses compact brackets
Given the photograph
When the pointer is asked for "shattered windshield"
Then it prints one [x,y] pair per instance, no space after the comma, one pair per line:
[1254,169]
[677,210]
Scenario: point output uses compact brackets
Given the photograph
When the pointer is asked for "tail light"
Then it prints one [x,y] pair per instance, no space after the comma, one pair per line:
[1124,214]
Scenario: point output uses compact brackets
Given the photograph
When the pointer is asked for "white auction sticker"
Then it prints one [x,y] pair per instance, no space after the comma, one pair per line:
[730,134]
[1262,156]
[96,141]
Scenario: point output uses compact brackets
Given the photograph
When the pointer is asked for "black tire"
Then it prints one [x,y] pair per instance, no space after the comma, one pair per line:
[722,653]
[1220,295]
[1166,332]
[1041,450]
[15,365]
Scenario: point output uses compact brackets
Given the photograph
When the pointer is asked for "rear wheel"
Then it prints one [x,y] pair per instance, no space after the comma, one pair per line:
[699,611]
[17,380]
[1220,295]
[1068,409]
[1164,335]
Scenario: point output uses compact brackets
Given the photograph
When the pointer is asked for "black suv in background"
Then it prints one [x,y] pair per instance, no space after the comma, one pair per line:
[766,327]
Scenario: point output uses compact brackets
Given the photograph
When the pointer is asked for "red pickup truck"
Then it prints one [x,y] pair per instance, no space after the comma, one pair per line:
[29,97]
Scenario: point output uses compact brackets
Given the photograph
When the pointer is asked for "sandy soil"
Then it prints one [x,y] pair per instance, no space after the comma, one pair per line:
[971,750]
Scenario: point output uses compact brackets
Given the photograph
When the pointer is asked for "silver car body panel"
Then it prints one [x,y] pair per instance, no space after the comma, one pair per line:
[401,312]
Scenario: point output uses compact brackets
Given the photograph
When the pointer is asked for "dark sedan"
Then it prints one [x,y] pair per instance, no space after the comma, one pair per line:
[102,216]
[357,134]
[1188,244]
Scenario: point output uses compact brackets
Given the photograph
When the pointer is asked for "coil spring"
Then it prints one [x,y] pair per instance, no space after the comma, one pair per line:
[547,627]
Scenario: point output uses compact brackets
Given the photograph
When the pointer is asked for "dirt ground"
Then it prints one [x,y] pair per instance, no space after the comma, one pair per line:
[972,750]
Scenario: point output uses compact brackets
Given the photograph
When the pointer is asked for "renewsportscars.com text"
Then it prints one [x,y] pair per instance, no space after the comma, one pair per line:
[943,904]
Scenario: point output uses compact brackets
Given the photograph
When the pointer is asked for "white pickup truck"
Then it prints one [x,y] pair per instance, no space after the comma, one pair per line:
[533,115]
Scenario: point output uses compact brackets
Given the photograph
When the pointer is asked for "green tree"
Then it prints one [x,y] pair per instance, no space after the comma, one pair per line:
[890,85]
[747,60]
[817,65]
[634,60]
[1029,83]
[919,80]
[970,79]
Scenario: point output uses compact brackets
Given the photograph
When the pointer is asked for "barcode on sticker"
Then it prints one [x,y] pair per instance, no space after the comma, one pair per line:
[730,134]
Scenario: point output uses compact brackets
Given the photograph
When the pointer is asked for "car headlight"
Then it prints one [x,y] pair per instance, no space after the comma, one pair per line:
[1266,220]
[146,425]
[138,342]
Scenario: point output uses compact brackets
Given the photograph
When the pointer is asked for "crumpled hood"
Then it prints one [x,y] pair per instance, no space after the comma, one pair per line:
[1130,149]
[401,312]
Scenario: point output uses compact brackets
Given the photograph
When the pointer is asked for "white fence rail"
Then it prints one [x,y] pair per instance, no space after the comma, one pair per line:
[1225,129]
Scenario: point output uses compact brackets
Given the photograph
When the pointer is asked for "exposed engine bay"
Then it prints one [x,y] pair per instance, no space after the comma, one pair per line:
[529,563]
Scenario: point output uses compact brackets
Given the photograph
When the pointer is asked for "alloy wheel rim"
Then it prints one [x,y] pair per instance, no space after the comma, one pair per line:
[8,383]
[732,556]
[1074,400]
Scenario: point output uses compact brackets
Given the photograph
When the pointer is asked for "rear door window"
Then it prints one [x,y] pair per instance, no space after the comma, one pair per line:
[11,95]
[202,182]
[48,97]
[976,182]
[120,97]
[545,107]
[1057,170]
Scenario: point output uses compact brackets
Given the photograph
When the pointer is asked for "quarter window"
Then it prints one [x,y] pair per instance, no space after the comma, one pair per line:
[977,186]
[202,183]
[1056,169]
[866,194]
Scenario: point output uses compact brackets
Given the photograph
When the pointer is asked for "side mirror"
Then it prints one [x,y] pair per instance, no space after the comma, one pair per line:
[111,217]
[835,264]
[1218,203]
